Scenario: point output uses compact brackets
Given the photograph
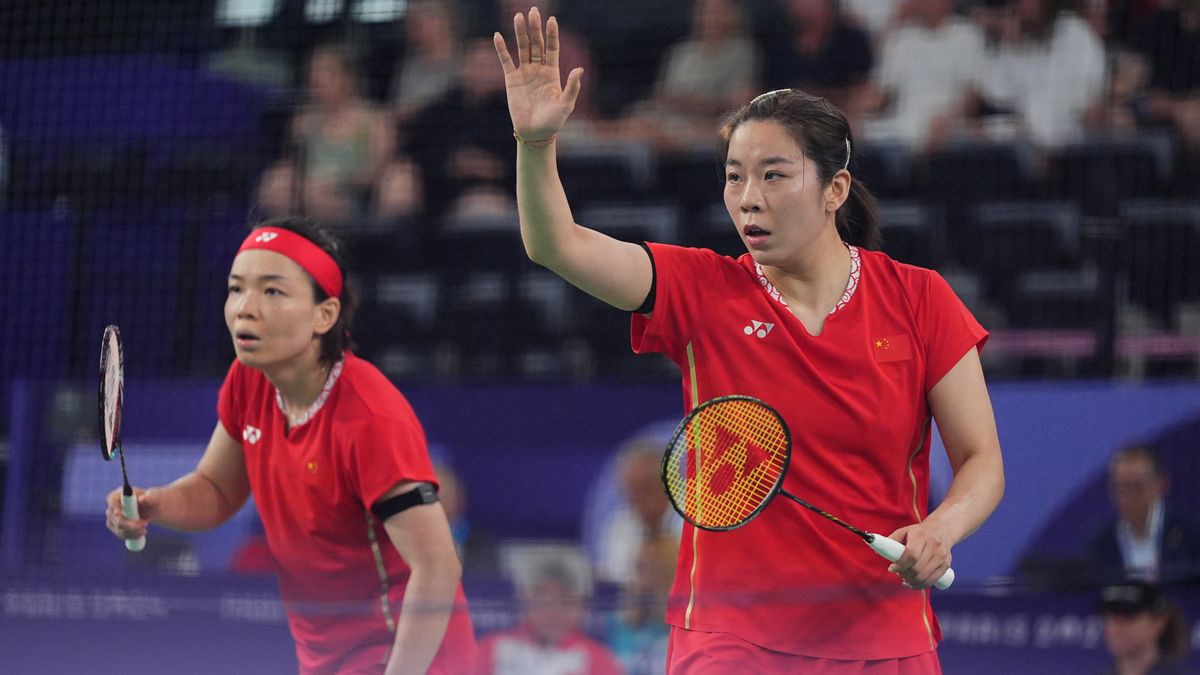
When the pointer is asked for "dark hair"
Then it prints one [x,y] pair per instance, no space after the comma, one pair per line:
[824,135]
[335,342]
[1144,451]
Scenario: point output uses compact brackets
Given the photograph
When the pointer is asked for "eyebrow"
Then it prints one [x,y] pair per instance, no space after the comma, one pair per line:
[765,162]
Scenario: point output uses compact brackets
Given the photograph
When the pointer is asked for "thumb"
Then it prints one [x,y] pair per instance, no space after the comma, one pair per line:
[147,501]
[900,535]
[574,84]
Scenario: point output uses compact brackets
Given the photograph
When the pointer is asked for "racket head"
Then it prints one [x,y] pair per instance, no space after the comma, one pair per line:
[725,462]
[112,390]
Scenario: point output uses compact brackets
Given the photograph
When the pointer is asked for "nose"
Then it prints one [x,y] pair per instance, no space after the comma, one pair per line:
[751,201]
[244,305]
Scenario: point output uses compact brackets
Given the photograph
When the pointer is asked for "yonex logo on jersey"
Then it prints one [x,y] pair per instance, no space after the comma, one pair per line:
[251,434]
[265,237]
[758,328]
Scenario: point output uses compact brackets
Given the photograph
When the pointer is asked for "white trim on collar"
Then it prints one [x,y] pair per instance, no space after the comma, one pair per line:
[313,409]
[851,283]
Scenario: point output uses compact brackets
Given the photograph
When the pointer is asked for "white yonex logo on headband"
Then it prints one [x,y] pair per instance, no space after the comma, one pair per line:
[251,434]
[758,328]
[265,237]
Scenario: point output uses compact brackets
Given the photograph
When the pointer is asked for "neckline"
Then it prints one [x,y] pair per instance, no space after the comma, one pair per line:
[313,409]
[851,283]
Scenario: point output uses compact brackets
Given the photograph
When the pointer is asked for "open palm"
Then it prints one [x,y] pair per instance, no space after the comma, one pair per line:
[537,101]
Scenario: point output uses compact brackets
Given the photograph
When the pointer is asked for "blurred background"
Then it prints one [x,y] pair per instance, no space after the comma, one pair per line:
[1043,155]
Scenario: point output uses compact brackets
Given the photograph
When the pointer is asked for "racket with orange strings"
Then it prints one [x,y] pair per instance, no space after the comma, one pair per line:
[727,460]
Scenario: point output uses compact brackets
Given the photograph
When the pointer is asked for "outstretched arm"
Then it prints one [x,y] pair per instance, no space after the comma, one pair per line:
[617,272]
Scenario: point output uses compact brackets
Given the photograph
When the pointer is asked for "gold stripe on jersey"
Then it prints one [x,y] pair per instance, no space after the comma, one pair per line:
[912,476]
[384,603]
[687,616]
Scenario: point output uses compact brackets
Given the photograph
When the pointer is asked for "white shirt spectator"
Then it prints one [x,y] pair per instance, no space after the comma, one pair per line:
[1049,84]
[622,540]
[873,15]
[926,71]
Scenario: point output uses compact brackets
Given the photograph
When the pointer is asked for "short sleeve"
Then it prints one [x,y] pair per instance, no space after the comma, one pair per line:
[385,452]
[678,272]
[229,408]
[947,328]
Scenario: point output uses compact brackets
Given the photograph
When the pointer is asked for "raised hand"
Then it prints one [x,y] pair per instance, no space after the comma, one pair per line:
[537,101]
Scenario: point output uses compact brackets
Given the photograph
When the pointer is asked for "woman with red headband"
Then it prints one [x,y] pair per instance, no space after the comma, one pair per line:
[337,463]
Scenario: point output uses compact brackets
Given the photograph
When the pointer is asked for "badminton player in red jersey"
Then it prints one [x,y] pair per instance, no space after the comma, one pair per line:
[857,352]
[337,464]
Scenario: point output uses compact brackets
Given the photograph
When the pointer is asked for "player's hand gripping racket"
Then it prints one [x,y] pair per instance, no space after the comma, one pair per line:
[726,462]
[112,392]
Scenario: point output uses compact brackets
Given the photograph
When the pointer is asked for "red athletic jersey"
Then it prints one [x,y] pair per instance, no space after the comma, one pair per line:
[854,399]
[341,578]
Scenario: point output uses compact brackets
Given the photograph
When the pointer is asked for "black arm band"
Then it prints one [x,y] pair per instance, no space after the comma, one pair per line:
[647,305]
[425,493]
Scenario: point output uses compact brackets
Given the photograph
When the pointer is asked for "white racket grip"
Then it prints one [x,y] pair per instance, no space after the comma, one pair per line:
[892,550]
[130,509]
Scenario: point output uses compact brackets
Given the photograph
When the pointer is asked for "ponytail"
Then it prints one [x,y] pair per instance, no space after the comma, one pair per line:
[858,218]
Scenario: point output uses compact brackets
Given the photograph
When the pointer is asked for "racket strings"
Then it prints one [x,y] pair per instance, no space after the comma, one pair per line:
[726,462]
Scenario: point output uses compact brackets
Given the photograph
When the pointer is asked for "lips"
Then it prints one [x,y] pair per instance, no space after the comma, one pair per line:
[244,338]
[754,234]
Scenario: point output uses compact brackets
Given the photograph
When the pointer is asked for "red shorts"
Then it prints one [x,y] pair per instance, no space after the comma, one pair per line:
[697,653]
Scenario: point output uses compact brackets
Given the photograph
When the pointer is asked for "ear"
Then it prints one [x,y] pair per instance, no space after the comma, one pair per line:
[838,191]
[327,315]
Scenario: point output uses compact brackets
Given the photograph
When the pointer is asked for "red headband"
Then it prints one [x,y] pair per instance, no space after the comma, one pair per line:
[319,264]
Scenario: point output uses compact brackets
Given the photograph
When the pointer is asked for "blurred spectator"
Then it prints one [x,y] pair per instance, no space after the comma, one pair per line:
[343,146]
[638,632]
[1145,540]
[823,54]
[477,550]
[550,638]
[1172,47]
[1046,69]
[644,512]
[877,16]
[432,57]
[1144,631]
[928,77]
[463,141]
[712,71]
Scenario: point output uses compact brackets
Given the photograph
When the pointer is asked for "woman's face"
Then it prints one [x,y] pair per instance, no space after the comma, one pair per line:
[1127,635]
[772,192]
[271,313]
[327,79]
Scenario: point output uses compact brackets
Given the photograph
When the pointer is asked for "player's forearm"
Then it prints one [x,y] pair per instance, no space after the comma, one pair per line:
[193,503]
[428,603]
[546,220]
[974,494]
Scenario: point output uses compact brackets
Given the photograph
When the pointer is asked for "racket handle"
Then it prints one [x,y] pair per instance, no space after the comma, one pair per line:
[130,509]
[892,550]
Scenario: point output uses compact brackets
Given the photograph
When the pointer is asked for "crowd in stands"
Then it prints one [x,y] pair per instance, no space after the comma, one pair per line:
[922,74]
[991,130]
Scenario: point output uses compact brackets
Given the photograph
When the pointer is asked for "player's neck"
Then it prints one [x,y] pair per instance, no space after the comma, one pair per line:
[299,382]
[815,279]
